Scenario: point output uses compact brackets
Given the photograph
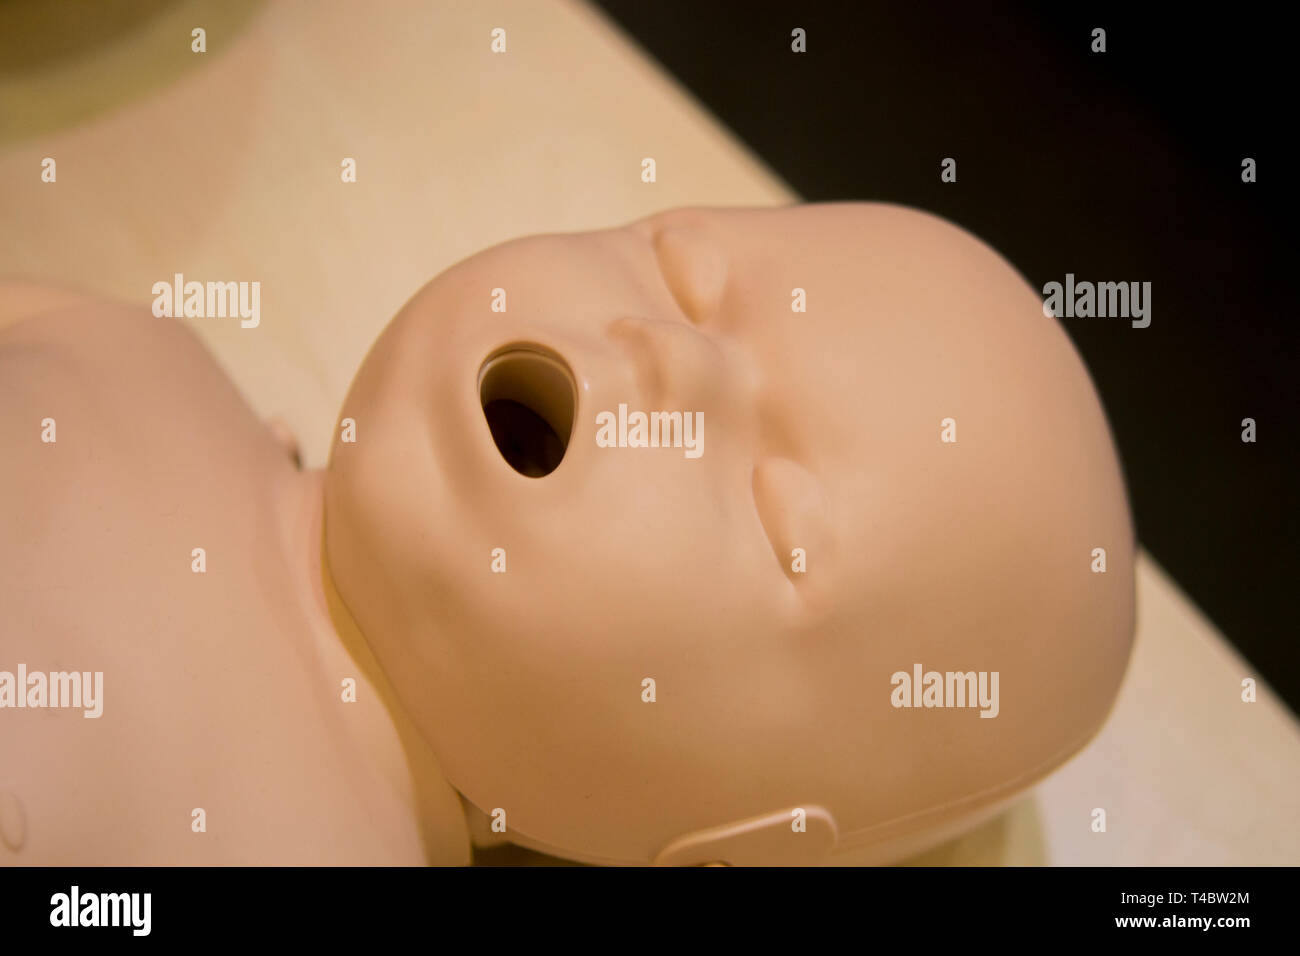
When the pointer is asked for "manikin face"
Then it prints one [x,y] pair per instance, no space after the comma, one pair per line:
[823,430]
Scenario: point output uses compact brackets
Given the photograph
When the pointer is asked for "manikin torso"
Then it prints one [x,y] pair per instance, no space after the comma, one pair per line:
[224,690]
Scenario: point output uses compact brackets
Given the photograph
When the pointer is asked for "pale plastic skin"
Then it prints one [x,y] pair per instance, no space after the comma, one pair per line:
[523,691]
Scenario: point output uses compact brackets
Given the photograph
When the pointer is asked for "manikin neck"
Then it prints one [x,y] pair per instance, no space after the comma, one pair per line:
[438,809]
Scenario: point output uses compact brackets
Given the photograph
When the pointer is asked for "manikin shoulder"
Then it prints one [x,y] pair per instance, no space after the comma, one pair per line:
[138,515]
[105,403]
[80,346]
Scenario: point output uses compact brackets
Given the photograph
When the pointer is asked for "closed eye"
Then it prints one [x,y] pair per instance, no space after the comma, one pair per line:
[693,269]
[793,510]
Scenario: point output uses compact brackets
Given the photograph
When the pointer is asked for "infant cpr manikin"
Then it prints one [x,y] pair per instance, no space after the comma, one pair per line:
[744,536]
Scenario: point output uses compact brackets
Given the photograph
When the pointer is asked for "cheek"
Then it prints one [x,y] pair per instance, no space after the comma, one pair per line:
[647,539]
[679,554]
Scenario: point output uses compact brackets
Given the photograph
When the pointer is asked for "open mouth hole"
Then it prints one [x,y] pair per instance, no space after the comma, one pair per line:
[528,399]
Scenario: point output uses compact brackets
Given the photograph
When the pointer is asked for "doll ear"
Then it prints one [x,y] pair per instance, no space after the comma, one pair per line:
[797,836]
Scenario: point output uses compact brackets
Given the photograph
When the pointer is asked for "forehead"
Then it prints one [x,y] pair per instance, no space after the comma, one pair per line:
[884,306]
[870,326]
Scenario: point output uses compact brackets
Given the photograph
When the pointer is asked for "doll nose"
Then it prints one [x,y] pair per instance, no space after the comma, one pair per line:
[674,364]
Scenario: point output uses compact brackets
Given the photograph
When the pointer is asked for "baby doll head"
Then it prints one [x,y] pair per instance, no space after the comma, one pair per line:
[666,533]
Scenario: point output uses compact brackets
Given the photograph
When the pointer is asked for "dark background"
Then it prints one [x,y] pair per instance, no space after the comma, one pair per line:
[1115,166]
